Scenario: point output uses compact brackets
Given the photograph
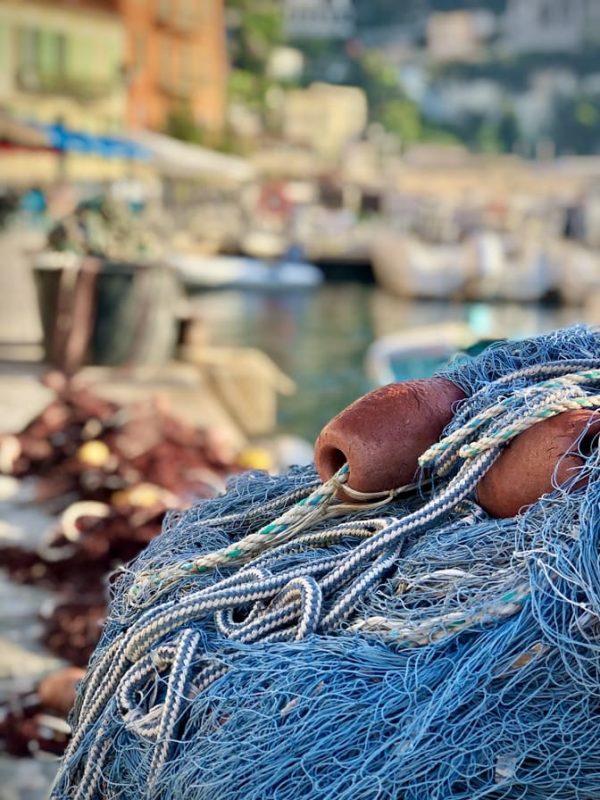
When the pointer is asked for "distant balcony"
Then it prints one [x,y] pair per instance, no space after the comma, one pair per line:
[163,12]
[189,22]
[183,22]
[35,81]
[181,89]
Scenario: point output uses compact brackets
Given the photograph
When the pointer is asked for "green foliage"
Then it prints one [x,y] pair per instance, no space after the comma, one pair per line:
[496,6]
[378,79]
[389,105]
[576,125]
[487,138]
[258,30]
[586,114]
[246,87]
[514,72]
[403,118]
[487,135]
[380,13]
[383,13]
[182,125]
[508,130]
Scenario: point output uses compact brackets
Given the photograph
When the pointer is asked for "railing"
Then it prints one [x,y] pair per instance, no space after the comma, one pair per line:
[35,81]
[179,87]
[184,21]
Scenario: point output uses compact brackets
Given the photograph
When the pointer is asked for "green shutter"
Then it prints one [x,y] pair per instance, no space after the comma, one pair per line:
[4,47]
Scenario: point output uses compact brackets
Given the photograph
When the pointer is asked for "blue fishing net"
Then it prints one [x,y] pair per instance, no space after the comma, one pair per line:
[414,650]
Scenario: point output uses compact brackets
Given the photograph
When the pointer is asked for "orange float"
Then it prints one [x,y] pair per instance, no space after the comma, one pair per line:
[382,434]
[548,455]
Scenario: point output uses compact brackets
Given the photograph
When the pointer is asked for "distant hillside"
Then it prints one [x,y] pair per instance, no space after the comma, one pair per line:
[389,12]
[498,6]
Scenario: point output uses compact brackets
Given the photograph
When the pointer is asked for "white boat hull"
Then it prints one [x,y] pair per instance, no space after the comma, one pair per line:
[409,268]
[228,272]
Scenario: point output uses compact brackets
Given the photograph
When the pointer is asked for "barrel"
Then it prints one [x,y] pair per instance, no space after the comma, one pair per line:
[108,313]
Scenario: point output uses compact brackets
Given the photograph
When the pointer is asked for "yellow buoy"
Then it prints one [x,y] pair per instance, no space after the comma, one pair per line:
[94,453]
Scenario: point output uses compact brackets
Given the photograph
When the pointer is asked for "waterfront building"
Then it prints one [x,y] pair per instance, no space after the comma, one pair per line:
[176,62]
[325,117]
[551,26]
[459,35]
[318,19]
[63,62]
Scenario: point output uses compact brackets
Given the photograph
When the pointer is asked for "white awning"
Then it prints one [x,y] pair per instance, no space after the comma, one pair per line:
[177,159]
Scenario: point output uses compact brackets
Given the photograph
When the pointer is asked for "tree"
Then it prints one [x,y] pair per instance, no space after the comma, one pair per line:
[257,29]
[403,118]
[576,125]
[182,125]
[388,103]
[508,130]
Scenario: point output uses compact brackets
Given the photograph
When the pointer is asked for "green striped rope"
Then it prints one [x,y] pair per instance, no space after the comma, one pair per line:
[439,448]
[505,435]
[300,516]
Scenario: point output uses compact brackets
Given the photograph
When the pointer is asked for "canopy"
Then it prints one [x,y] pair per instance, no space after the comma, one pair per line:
[176,159]
[17,132]
[68,140]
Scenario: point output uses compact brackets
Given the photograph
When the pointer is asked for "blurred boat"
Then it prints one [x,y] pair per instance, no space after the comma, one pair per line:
[579,279]
[408,267]
[416,353]
[486,266]
[505,270]
[263,244]
[198,273]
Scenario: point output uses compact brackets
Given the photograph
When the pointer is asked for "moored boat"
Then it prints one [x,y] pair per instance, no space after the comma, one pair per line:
[416,353]
[200,272]
[506,270]
[409,267]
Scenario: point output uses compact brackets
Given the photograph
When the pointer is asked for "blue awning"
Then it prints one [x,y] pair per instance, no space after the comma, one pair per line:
[71,141]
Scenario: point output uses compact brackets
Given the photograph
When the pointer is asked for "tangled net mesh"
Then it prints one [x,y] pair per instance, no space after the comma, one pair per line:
[409,649]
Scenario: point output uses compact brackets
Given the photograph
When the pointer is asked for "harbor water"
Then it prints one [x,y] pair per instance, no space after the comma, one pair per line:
[320,339]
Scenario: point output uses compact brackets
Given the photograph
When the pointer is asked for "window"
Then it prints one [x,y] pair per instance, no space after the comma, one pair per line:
[41,57]
[164,57]
[139,50]
[28,51]
[187,64]
[163,8]
[58,55]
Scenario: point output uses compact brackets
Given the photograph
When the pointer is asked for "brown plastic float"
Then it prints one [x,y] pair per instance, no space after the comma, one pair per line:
[382,435]
[546,456]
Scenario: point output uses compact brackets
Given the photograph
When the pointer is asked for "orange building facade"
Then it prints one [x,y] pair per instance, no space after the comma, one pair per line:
[176,59]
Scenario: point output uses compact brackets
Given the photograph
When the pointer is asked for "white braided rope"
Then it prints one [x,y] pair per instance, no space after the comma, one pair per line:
[173,703]
[92,774]
[436,628]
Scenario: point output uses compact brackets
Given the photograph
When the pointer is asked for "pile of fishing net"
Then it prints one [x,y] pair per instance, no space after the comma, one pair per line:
[112,471]
[107,227]
[278,642]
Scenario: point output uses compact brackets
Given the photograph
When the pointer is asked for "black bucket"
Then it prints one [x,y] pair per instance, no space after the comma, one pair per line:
[107,313]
